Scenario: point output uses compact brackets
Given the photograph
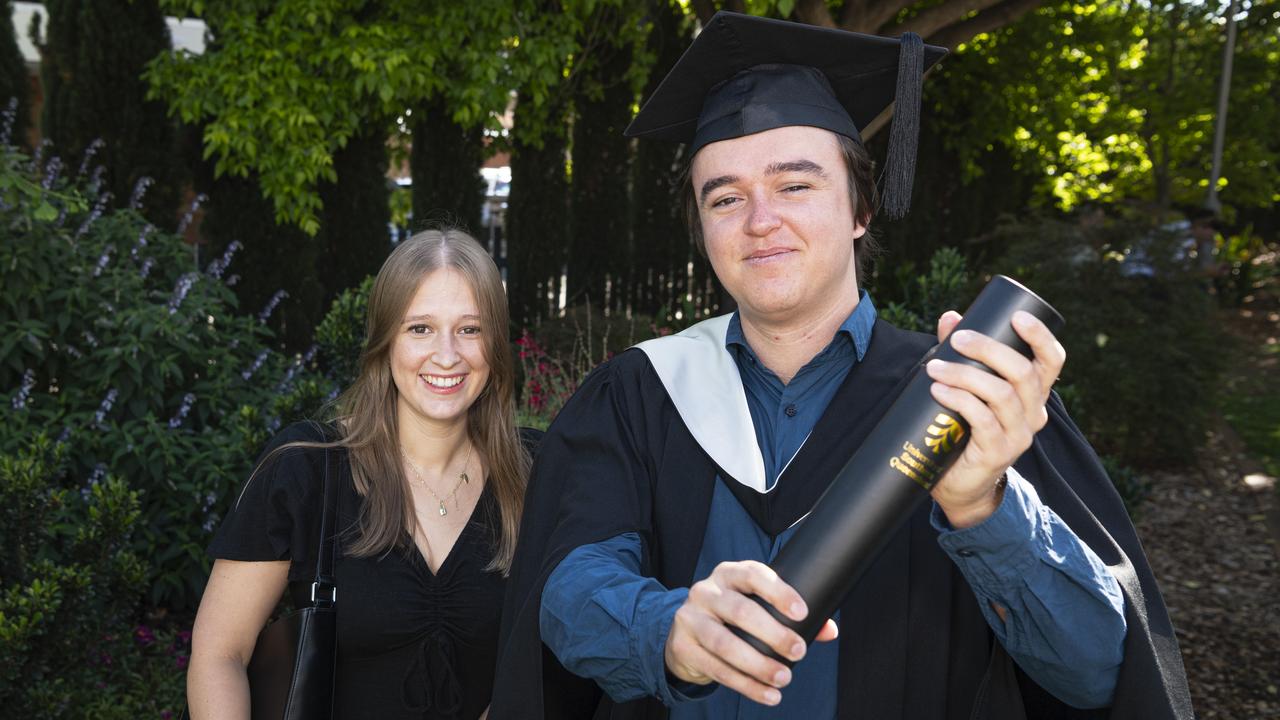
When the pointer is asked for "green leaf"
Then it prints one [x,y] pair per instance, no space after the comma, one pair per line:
[45,212]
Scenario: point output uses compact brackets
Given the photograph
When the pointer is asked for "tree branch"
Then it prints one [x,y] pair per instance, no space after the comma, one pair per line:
[951,36]
[930,21]
[704,9]
[877,14]
[852,10]
[993,19]
[815,12]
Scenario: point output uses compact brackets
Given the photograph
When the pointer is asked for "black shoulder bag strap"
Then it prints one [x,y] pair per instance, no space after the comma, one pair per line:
[324,591]
[291,674]
[311,695]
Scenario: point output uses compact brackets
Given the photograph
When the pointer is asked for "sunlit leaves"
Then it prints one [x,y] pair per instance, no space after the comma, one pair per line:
[283,85]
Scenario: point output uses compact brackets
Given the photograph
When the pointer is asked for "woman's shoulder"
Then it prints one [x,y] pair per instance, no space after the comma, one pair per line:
[529,438]
[294,459]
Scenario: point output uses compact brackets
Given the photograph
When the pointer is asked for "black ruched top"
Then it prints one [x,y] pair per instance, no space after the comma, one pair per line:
[411,643]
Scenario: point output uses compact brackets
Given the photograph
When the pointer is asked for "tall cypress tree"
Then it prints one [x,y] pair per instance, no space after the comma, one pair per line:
[355,234]
[537,234]
[600,248]
[14,83]
[353,241]
[445,161]
[93,57]
[662,247]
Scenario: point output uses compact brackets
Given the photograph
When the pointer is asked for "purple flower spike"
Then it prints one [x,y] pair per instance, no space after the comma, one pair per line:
[9,115]
[28,384]
[89,152]
[98,208]
[38,157]
[105,407]
[271,305]
[187,400]
[103,259]
[191,212]
[142,241]
[257,364]
[51,172]
[140,189]
[180,291]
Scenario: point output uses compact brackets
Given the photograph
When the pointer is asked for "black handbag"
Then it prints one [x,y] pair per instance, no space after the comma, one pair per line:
[292,669]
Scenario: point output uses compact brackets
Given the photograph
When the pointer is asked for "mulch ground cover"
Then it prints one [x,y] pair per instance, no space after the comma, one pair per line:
[1212,533]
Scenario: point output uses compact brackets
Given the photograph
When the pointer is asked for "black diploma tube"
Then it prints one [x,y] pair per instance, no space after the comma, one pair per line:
[904,456]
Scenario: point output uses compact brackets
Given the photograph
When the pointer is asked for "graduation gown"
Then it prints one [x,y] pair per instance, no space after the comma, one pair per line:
[623,456]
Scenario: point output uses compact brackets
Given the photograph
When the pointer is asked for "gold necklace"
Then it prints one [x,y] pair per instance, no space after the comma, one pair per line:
[462,478]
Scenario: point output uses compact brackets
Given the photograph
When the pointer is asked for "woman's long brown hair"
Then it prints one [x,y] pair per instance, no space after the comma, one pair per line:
[366,412]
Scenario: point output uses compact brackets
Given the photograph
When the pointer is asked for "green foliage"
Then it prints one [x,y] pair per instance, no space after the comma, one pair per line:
[92,58]
[1143,353]
[286,84]
[71,582]
[340,336]
[925,297]
[1109,100]
[138,363]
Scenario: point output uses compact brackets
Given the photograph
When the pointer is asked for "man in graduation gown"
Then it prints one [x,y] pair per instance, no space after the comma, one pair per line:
[681,466]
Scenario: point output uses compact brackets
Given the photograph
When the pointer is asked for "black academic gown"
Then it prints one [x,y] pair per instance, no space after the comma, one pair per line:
[913,643]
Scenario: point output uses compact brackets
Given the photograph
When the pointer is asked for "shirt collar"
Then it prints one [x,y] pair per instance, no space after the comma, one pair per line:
[856,329]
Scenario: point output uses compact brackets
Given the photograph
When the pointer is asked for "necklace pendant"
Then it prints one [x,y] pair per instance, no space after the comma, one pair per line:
[443,511]
[464,477]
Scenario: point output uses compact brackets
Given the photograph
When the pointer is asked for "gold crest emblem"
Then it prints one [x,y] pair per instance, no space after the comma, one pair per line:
[943,434]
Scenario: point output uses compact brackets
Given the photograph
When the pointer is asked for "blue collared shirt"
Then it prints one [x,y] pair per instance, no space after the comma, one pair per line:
[1065,622]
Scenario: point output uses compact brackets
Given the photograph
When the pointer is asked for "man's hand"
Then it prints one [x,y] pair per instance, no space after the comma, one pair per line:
[1004,412]
[701,649]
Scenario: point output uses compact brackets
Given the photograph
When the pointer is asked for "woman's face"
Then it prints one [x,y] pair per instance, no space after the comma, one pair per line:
[438,356]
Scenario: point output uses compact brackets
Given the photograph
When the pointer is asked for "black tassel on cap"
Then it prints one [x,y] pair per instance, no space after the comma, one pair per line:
[900,165]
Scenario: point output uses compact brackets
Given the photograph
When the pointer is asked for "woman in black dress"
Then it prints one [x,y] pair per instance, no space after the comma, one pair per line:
[432,479]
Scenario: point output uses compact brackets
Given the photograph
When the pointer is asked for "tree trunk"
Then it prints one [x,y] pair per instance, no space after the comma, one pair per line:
[537,208]
[91,70]
[662,247]
[14,83]
[445,161]
[599,262]
[355,231]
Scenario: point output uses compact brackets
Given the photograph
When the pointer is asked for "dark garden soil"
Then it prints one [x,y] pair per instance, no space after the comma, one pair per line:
[1212,533]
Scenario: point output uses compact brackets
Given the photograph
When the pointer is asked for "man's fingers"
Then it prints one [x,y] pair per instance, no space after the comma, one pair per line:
[946,323]
[828,632]
[725,674]
[755,578]
[739,610]
[1050,354]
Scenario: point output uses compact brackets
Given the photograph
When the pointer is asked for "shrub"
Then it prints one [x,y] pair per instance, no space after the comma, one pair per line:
[69,596]
[1143,353]
[137,362]
[947,286]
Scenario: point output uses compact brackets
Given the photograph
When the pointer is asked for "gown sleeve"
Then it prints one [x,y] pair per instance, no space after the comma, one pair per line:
[589,461]
[1069,478]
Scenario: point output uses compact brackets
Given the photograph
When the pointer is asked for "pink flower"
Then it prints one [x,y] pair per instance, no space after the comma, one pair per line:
[181,662]
[144,635]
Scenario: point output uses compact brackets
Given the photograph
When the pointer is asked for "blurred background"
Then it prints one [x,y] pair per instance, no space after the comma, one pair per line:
[194,196]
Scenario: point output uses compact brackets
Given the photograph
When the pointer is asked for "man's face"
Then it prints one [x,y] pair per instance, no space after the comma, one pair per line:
[777,221]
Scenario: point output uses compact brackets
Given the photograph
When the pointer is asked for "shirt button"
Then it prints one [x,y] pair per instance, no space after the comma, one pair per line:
[965,552]
[791,411]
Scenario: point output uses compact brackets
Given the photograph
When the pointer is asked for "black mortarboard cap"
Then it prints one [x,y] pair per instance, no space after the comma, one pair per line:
[744,75]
